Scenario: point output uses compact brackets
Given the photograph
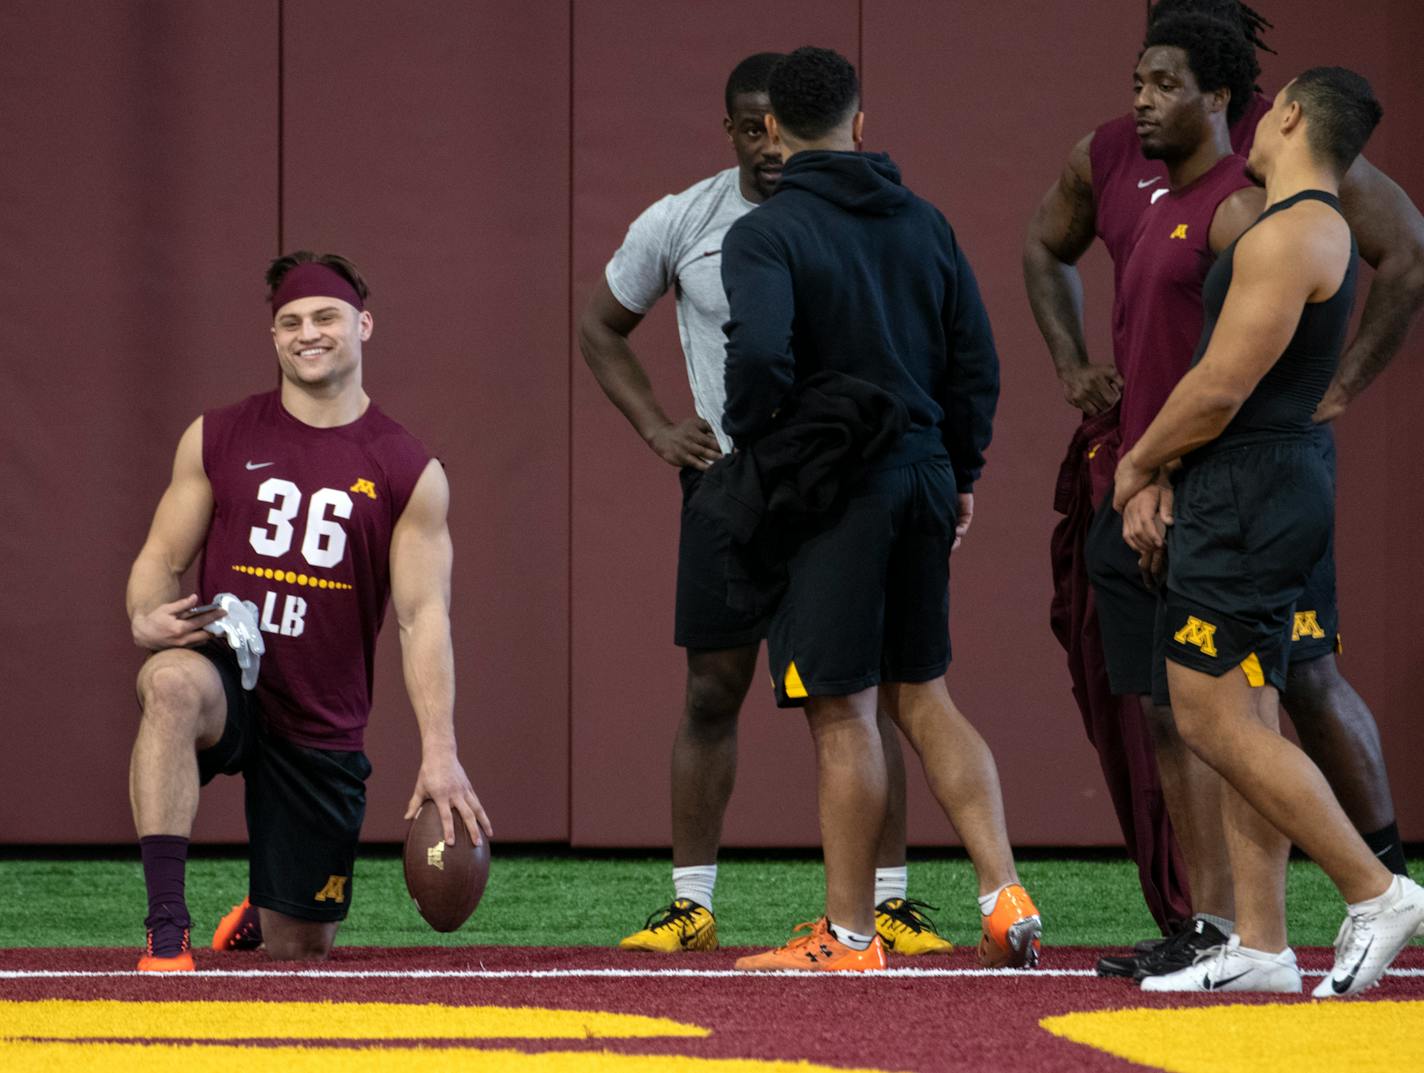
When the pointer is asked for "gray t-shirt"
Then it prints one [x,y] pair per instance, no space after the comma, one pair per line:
[677,243]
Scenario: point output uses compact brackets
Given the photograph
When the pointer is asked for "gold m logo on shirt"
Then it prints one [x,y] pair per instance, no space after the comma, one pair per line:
[334,891]
[1197,633]
[1306,625]
[1179,232]
[363,487]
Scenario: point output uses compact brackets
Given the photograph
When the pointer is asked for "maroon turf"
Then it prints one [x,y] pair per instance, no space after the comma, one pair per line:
[964,1023]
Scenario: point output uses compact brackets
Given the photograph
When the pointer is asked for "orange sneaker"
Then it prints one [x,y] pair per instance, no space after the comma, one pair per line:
[1011,931]
[817,951]
[179,962]
[241,929]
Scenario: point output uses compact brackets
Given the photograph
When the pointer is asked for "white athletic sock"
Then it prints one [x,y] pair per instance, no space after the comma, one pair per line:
[695,883]
[1221,924]
[891,883]
[852,939]
[987,901]
[1380,901]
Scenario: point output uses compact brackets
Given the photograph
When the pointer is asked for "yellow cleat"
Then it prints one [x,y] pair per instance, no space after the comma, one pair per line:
[906,930]
[683,925]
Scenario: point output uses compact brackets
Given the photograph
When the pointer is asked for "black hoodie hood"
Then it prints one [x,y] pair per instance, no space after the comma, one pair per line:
[863,183]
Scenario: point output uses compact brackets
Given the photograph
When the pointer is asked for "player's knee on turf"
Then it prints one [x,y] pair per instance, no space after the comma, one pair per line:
[285,938]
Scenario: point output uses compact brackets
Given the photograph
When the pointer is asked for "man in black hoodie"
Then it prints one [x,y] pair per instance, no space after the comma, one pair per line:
[844,270]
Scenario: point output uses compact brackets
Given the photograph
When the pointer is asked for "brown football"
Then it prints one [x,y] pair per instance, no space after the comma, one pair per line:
[444,881]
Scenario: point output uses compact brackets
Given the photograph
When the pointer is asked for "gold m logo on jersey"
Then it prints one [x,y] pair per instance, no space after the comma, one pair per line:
[363,487]
[435,855]
[1199,634]
[334,891]
[1179,232]
[1306,625]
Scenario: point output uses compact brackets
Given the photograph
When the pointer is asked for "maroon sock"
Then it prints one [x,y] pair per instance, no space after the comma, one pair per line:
[164,859]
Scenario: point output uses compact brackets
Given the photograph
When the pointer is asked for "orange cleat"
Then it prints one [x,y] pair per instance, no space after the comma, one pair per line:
[818,951]
[179,962]
[241,929]
[1011,932]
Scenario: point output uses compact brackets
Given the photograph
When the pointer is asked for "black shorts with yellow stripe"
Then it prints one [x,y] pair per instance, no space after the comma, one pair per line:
[867,597]
[1253,526]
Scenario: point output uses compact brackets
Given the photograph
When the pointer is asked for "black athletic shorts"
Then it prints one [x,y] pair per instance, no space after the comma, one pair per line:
[703,618]
[867,599]
[1128,612]
[304,806]
[1252,522]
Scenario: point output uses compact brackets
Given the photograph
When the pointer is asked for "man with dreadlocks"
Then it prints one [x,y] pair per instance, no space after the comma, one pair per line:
[1105,190]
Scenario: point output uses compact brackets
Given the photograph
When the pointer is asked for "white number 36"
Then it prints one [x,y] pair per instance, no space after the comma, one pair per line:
[323,543]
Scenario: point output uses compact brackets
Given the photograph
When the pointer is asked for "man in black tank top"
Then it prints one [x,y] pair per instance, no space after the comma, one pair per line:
[1253,514]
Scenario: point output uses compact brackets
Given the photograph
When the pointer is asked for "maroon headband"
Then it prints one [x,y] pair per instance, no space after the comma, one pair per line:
[312,280]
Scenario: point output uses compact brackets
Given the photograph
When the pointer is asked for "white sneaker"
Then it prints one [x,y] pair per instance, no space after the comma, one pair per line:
[1233,967]
[1370,939]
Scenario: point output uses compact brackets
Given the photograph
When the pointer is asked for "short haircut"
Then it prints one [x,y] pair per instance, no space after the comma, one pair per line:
[334,261]
[1253,24]
[750,76]
[813,91]
[1340,112]
[1219,57]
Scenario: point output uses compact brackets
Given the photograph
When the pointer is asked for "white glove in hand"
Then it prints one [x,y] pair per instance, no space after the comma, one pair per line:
[243,634]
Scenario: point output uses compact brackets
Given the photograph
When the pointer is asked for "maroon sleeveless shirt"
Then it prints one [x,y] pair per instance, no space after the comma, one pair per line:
[302,523]
[1126,185]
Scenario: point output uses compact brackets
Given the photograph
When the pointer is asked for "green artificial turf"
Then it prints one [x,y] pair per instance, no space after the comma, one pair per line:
[543,899]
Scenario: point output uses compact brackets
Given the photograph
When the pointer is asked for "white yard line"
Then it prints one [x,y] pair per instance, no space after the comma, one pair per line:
[558,974]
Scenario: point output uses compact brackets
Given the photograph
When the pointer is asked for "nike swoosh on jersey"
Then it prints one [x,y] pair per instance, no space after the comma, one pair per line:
[1341,986]
[1143,184]
[260,465]
[1158,194]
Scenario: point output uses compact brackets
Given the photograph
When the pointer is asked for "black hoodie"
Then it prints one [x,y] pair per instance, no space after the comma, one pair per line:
[845,269]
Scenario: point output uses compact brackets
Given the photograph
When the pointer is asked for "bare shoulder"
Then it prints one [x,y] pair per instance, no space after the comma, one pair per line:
[1307,245]
[1237,211]
[430,499]
[1080,163]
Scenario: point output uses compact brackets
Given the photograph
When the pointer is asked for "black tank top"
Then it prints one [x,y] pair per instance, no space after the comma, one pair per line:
[1283,402]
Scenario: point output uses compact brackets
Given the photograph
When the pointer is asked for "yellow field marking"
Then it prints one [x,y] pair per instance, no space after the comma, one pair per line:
[1305,1037]
[223,1058]
[35,1038]
[111,1019]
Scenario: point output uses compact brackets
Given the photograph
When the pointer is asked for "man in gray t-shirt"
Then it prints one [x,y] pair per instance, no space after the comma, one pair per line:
[677,245]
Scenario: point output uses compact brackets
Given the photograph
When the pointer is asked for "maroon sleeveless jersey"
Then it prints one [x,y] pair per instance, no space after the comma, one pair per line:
[302,523]
[1126,185]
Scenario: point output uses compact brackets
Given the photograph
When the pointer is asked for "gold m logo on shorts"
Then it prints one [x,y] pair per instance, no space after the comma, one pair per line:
[1306,625]
[334,891]
[1197,633]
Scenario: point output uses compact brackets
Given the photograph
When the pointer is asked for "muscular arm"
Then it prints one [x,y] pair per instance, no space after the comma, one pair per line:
[1390,234]
[421,555]
[603,334]
[1059,234]
[1278,267]
[179,525]
[1234,215]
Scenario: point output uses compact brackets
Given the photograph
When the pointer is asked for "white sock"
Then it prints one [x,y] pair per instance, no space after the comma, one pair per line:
[695,883]
[1221,924]
[891,883]
[1380,901]
[987,901]
[852,939]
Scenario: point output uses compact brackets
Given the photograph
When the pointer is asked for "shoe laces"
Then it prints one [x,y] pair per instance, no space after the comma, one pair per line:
[672,915]
[816,930]
[909,914]
[1354,936]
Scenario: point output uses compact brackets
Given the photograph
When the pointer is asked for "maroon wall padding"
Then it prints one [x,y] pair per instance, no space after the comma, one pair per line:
[481,162]
[648,108]
[139,192]
[431,144]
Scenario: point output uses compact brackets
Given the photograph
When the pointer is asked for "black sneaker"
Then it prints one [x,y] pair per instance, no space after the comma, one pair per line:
[1177,951]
